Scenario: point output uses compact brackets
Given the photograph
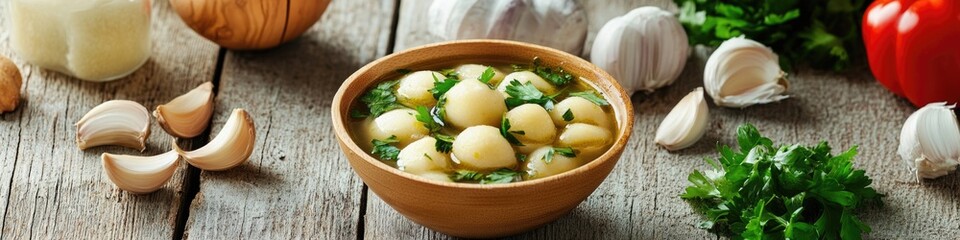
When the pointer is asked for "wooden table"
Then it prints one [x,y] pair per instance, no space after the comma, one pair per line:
[298,184]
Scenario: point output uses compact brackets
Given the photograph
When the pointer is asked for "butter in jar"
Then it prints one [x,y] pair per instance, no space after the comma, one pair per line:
[94,40]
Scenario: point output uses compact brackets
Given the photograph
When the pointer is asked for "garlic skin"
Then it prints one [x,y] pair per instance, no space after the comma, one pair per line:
[189,114]
[645,49]
[116,122]
[231,147]
[743,72]
[685,124]
[533,21]
[137,174]
[930,141]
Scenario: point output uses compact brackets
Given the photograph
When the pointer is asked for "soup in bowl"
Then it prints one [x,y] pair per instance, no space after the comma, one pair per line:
[482,138]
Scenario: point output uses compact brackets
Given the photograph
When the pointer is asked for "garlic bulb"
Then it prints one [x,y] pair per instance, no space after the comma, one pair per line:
[930,141]
[189,114]
[685,124]
[231,147]
[645,49]
[743,72]
[137,174]
[558,24]
[116,122]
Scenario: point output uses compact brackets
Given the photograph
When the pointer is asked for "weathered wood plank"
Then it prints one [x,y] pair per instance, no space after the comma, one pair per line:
[52,190]
[297,183]
[639,199]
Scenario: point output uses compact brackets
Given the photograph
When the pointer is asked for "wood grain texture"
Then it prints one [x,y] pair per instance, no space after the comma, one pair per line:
[51,190]
[297,184]
[250,24]
[640,198]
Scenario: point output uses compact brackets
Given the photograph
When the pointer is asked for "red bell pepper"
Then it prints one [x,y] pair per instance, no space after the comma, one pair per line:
[913,47]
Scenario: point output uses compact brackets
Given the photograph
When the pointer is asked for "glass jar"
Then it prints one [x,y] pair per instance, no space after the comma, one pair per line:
[94,40]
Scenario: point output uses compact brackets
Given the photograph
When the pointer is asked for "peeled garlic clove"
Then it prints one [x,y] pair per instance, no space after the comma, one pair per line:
[137,174]
[685,124]
[532,21]
[117,122]
[189,114]
[645,49]
[231,147]
[743,72]
[930,141]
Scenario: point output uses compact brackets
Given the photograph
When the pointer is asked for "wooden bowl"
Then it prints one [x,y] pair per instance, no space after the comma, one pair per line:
[474,210]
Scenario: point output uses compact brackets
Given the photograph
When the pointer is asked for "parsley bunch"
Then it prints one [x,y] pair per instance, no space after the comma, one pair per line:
[793,192]
[379,100]
[823,33]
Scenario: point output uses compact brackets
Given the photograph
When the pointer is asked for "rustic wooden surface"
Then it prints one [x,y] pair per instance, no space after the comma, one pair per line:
[297,183]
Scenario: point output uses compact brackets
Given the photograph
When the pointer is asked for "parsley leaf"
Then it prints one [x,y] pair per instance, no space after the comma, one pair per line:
[380,99]
[424,116]
[466,176]
[521,157]
[557,76]
[794,191]
[503,175]
[519,94]
[591,96]
[356,113]
[564,151]
[486,75]
[450,73]
[384,150]
[442,86]
[567,116]
[823,33]
[505,131]
[444,142]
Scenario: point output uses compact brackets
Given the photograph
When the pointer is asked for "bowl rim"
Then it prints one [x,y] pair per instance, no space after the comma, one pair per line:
[616,148]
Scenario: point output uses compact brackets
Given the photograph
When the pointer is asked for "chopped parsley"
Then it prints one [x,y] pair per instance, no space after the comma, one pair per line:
[440,111]
[520,94]
[450,73]
[557,76]
[503,175]
[785,192]
[505,131]
[521,157]
[591,96]
[384,150]
[568,115]
[424,116]
[357,113]
[486,75]
[444,142]
[380,99]
[564,151]
[442,86]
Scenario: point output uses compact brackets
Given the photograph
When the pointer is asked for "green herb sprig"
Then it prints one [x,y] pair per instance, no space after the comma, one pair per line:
[505,131]
[503,175]
[823,33]
[591,96]
[379,100]
[385,150]
[519,94]
[564,151]
[793,192]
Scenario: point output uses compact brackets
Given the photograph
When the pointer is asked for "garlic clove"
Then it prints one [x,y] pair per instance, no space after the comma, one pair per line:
[930,141]
[138,174]
[743,72]
[685,124]
[645,49]
[231,147]
[532,21]
[117,122]
[189,114]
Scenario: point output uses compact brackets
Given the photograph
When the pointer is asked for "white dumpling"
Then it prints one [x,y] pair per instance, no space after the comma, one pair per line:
[534,121]
[472,103]
[421,157]
[583,110]
[483,148]
[537,166]
[473,71]
[414,89]
[589,139]
[524,77]
[401,123]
